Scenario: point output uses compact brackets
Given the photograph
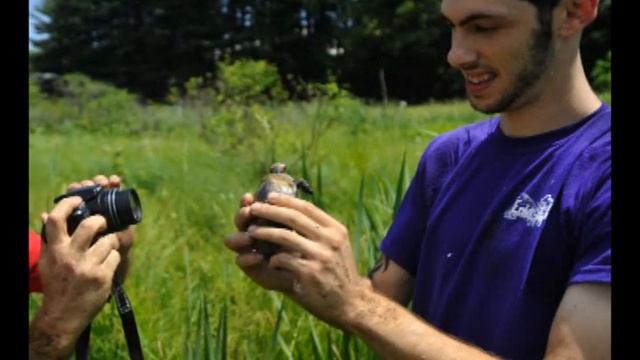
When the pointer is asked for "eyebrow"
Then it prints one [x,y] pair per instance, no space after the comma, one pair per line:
[472,17]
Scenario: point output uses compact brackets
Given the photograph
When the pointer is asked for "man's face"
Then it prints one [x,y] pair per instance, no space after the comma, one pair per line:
[501,50]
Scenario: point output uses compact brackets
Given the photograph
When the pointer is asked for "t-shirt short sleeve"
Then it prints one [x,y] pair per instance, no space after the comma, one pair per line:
[402,242]
[593,251]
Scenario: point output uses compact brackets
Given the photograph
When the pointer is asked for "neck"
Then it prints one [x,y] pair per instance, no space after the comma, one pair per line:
[560,99]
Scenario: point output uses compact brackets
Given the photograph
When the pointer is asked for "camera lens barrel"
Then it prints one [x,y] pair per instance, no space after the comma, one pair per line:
[121,208]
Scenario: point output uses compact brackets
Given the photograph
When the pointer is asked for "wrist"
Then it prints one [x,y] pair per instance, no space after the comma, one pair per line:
[51,336]
[358,305]
[371,310]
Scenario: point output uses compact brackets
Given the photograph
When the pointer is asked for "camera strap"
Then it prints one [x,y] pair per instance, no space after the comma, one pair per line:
[128,325]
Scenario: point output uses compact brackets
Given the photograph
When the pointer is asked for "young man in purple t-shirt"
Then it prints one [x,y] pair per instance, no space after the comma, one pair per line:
[503,239]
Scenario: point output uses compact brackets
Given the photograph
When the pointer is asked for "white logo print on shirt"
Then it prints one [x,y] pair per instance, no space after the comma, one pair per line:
[525,207]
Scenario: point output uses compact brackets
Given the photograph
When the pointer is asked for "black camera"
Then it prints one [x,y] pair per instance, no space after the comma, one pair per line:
[120,208]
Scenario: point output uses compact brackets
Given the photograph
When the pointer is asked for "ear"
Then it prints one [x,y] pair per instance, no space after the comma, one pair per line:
[576,15]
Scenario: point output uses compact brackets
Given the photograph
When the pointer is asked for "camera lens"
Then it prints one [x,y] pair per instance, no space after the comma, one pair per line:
[122,208]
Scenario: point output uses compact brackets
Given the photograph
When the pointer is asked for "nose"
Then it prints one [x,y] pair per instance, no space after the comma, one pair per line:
[461,53]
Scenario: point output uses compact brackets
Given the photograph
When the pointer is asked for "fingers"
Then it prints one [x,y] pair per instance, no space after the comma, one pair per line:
[73,186]
[111,262]
[286,238]
[290,217]
[113,181]
[100,180]
[239,242]
[254,266]
[79,184]
[288,262]
[243,218]
[303,207]
[98,252]
[126,238]
[56,221]
[87,230]
[248,260]
[247,199]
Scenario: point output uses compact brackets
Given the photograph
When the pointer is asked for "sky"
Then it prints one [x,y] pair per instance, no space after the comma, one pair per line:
[32,32]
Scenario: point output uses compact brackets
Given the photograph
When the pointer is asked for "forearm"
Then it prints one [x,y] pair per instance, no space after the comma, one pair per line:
[48,339]
[395,333]
[324,280]
[391,280]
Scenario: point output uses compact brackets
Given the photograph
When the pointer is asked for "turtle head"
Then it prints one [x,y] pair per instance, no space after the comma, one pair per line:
[278,168]
[304,186]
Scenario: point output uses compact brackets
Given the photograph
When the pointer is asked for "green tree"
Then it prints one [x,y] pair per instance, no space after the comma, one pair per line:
[377,49]
[141,45]
[596,41]
[400,46]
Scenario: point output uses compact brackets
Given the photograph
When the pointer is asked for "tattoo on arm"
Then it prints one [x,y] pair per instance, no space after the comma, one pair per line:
[383,263]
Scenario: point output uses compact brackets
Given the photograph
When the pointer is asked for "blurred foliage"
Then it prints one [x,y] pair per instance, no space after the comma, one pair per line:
[601,74]
[247,81]
[86,105]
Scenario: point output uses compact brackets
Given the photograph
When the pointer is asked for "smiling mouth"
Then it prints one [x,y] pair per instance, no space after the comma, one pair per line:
[480,78]
[478,82]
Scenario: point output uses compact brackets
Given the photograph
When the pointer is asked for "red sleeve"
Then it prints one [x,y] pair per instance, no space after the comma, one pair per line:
[34,256]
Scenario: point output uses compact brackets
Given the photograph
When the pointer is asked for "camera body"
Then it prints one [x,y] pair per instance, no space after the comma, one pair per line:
[120,208]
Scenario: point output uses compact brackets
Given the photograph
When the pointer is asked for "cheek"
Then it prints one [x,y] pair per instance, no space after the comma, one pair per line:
[512,50]
[512,62]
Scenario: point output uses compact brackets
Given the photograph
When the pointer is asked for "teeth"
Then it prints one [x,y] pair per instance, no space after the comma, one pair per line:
[476,79]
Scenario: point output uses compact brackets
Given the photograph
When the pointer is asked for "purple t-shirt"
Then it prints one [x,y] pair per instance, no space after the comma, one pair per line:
[494,229]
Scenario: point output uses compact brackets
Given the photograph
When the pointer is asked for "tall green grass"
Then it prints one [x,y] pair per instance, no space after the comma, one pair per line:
[190,300]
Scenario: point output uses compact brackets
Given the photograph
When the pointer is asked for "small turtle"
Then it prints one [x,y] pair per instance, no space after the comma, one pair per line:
[276,181]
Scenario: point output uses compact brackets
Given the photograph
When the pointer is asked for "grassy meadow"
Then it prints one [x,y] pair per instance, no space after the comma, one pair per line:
[190,164]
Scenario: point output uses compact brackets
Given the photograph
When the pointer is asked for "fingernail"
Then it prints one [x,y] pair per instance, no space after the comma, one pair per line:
[273,195]
[251,229]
